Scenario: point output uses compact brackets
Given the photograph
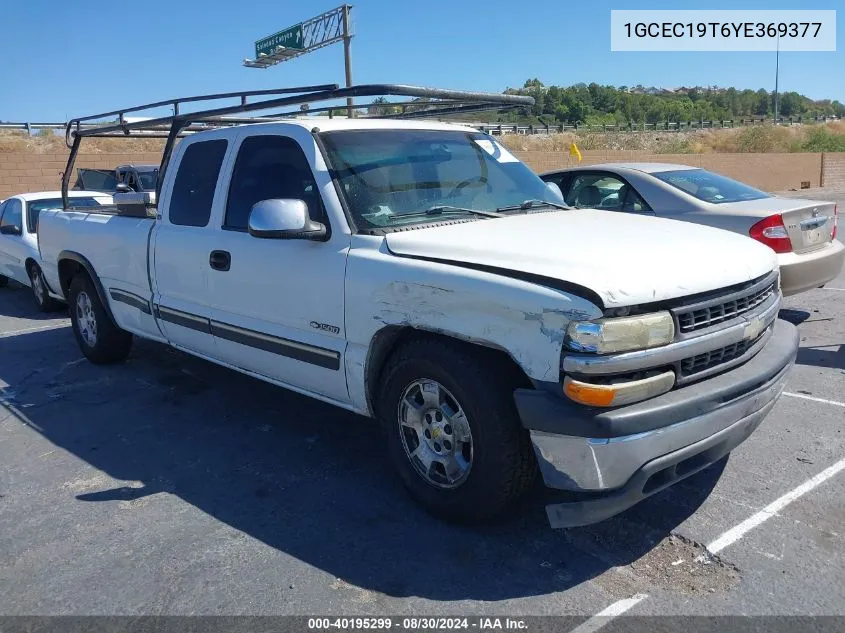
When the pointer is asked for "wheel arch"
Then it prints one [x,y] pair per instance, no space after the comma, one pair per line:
[70,264]
[29,262]
[391,337]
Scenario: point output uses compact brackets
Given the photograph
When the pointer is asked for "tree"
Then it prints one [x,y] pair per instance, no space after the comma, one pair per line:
[790,104]
[378,109]
[763,102]
[597,103]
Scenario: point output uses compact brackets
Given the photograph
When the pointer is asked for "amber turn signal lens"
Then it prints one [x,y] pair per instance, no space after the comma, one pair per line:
[592,395]
[618,393]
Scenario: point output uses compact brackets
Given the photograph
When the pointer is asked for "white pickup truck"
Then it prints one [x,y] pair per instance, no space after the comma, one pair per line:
[420,274]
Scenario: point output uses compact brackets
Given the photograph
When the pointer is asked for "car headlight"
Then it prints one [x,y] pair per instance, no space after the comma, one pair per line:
[621,334]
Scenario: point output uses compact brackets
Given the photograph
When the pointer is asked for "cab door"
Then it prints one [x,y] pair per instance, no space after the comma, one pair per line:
[277,308]
[183,243]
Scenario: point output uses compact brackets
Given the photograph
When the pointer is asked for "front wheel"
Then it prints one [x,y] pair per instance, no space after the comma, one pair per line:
[100,340]
[454,435]
[43,301]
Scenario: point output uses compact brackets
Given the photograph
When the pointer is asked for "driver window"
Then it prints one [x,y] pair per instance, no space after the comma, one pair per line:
[604,191]
[270,167]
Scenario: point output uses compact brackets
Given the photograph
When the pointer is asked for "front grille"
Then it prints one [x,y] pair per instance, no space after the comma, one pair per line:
[701,362]
[702,317]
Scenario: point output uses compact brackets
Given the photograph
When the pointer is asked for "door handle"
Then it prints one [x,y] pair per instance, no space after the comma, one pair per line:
[220,260]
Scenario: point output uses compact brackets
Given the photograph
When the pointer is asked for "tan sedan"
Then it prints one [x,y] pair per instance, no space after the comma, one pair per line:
[801,232]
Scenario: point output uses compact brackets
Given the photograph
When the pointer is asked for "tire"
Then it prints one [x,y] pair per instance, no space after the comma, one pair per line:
[501,463]
[100,340]
[4,281]
[43,301]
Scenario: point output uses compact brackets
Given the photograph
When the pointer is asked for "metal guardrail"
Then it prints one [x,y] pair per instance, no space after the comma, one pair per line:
[510,128]
[666,126]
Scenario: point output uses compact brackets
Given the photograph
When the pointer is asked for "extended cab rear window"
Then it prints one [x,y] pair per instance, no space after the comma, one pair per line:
[193,190]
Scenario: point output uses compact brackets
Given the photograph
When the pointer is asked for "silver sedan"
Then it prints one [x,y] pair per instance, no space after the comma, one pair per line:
[801,232]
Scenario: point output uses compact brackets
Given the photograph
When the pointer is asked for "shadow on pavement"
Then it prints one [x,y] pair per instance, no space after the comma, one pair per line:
[17,301]
[303,477]
[826,356]
[796,317]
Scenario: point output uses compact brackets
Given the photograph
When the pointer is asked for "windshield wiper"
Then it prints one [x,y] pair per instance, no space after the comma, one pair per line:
[446,209]
[533,203]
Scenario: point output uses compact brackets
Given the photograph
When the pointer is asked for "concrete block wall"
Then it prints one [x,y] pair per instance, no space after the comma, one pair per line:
[833,169]
[770,172]
[24,172]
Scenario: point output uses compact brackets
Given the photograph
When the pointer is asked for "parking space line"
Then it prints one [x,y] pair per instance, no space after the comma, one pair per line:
[604,616]
[814,399]
[839,289]
[737,532]
[52,326]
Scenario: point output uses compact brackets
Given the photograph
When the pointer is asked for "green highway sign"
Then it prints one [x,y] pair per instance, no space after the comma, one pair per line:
[289,38]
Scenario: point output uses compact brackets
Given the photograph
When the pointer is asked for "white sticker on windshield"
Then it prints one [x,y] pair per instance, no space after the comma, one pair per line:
[496,150]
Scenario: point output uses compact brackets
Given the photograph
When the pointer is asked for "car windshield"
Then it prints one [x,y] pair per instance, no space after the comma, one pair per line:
[35,207]
[148,179]
[395,178]
[710,187]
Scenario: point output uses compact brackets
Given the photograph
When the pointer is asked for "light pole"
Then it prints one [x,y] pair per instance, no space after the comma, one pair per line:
[777,64]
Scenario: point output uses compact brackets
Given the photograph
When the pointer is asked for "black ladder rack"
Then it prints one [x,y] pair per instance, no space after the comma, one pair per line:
[429,102]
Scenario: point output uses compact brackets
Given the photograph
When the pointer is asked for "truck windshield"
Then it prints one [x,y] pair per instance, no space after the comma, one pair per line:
[390,178]
[148,179]
[96,180]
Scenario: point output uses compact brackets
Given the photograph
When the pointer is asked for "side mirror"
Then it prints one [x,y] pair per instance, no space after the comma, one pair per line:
[284,219]
[122,187]
[11,229]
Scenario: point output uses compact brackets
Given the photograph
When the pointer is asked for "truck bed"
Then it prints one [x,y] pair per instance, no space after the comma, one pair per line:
[116,246]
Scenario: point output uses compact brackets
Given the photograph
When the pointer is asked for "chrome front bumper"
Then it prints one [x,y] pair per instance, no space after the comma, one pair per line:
[591,450]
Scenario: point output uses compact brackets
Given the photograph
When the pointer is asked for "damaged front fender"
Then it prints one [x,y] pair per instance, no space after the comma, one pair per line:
[523,318]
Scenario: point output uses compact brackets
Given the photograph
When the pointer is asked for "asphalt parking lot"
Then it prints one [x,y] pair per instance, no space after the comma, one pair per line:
[168,485]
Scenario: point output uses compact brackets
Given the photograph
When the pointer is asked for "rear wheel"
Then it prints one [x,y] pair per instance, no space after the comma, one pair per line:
[43,301]
[100,340]
[454,435]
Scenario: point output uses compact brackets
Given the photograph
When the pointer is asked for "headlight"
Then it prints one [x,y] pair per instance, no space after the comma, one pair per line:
[621,334]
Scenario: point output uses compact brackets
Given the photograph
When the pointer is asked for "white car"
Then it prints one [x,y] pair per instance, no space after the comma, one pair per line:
[801,232]
[419,273]
[19,256]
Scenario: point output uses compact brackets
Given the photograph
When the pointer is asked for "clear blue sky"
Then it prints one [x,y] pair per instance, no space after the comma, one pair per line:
[65,59]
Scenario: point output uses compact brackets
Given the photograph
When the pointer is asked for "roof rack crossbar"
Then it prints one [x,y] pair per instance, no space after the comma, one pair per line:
[423,105]
[366,90]
[180,124]
[211,97]
[437,111]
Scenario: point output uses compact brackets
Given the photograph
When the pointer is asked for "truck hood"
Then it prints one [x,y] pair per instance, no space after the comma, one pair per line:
[625,259]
